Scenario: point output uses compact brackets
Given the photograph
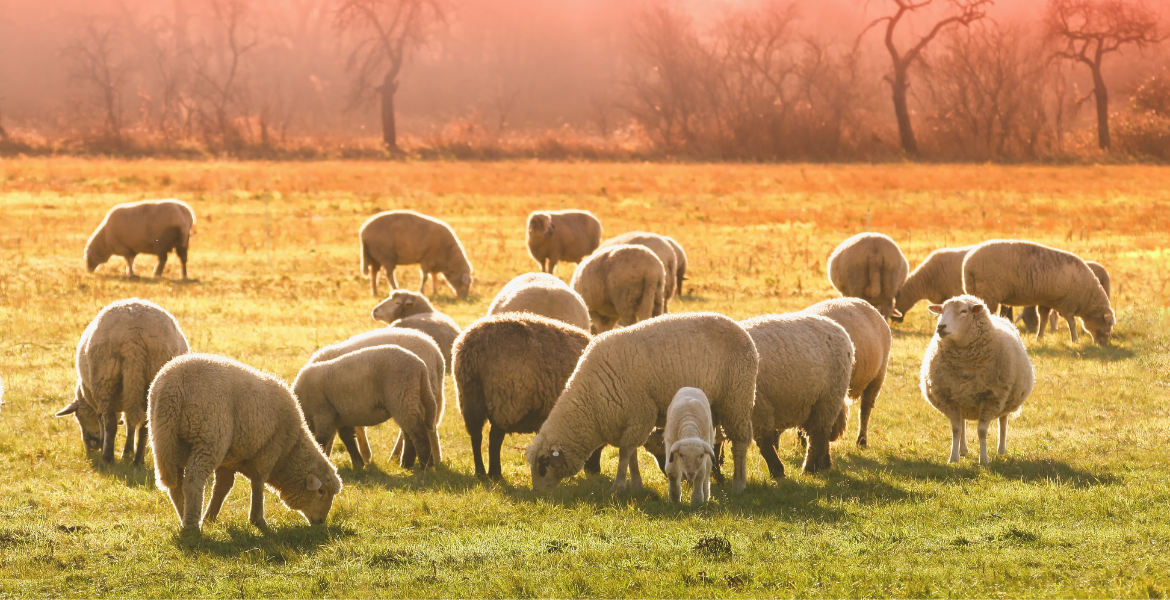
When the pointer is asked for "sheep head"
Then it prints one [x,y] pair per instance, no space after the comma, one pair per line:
[959,319]
[461,283]
[96,253]
[540,224]
[1099,324]
[400,304]
[311,492]
[87,419]
[550,463]
[689,459]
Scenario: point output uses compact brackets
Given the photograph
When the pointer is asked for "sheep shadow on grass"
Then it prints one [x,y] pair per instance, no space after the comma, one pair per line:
[276,545]
[129,474]
[1026,470]
[1086,351]
[395,477]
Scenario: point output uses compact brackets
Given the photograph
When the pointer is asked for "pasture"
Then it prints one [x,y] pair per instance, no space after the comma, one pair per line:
[1080,505]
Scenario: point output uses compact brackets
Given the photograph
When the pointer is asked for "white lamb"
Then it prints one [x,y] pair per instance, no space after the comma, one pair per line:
[689,435]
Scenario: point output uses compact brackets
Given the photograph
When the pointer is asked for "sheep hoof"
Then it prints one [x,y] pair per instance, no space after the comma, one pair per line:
[261,524]
[862,442]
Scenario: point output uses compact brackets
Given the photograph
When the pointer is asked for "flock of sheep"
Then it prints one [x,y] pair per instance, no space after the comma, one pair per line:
[547,360]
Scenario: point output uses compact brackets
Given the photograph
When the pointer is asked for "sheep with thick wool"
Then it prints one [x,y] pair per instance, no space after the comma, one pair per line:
[871,338]
[416,342]
[210,414]
[1031,316]
[621,285]
[545,295]
[510,369]
[975,368]
[688,437]
[869,266]
[403,308]
[556,235]
[119,354]
[1021,273]
[805,364]
[365,388]
[147,227]
[661,247]
[405,237]
[937,279]
[623,386]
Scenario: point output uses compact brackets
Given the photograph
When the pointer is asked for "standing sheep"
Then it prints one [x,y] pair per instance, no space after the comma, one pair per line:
[211,414]
[403,308]
[805,363]
[545,295]
[660,247]
[1019,273]
[938,279]
[1030,316]
[975,368]
[871,267]
[624,383]
[680,257]
[621,285]
[509,370]
[119,354]
[871,338]
[365,388]
[568,235]
[147,227]
[689,435]
[404,237]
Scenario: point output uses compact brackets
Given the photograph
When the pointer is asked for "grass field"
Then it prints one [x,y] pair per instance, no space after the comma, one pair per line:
[1080,505]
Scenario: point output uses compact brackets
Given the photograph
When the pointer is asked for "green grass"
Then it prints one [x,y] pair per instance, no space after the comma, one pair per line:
[1080,505]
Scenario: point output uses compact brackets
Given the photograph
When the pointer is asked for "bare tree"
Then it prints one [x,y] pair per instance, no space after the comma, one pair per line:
[218,65]
[961,12]
[98,63]
[1087,30]
[386,32]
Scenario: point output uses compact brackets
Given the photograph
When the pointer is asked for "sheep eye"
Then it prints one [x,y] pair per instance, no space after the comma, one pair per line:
[962,312]
[321,492]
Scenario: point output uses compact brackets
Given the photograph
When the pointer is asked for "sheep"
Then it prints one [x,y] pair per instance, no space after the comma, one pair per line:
[404,237]
[805,365]
[147,227]
[871,267]
[404,308]
[680,257]
[660,247]
[1030,316]
[568,235]
[509,370]
[689,435]
[213,414]
[621,285]
[365,388]
[871,338]
[976,367]
[119,354]
[413,340]
[624,383]
[937,279]
[1020,273]
[545,295]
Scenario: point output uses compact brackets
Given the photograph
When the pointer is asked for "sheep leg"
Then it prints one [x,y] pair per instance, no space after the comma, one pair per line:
[128,447]
[349,438]
[1071,319]
[181,252]
[225,479]
[196,477]
[1002,436]
[983,424]
[1052,322]
[109,434]
[140,452]
[373,267]
[162,264]
[177,496]
[957,436]
[399,444]
[1045,314]
[963,439]
[868,399]
[476,434]
[739,449]
[626,455]
[409,454]
[635,472]
[701,486]
[495,442]
[256,513]
[817,457]
[130,266]
[768,451]
[435,285]
[593,463]
[552,265]
[364,444]
[390,275]
[422,289]
[717,466]
[674,486]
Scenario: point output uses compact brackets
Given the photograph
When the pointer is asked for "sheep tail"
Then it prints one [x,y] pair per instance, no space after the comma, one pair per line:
[165,405]
[367,258]
[875,279]
[650,304]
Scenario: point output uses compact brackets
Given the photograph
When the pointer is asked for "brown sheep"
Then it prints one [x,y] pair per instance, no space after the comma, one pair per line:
[621,285]
[404,237]
[871,267]
[147,227]
[568,235]
[937,279]
[1032,315]
[661,248]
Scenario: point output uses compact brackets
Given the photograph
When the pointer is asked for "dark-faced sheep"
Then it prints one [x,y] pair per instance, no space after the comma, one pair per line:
[404,237]
[621,285]
[568,235]
[147,227]
[869,266]
[661,248]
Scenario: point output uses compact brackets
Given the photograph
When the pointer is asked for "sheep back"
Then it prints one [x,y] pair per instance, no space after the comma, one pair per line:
[562,235]
[405,237]
[937,279]
[869,266]
[660,247]
[146,227]
[620,285]
[545,295]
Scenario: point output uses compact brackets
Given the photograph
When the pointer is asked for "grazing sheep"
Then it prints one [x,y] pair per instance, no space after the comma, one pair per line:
[1019,273]
[404,308]
[509,370]
[625,382]
[404,237]
[1030,316]
[871,267]
[413,340]
[568,235]
[680,257]
[689,435]
[661,248]
[147,227]
[365,388]
[805,363]
[975,368]
[119,354]
[937,279]
[871,339]
[210,414]
[621,285]
[545,295]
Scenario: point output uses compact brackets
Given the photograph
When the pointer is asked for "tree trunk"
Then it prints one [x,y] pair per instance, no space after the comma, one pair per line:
[389,129]
[1102,96]
[899,85]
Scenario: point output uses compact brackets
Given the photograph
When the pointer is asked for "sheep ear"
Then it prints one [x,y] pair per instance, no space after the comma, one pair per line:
[314,484]
[466,278]
[897,314]
[408,302]
[674,456]
[976,309]
[935,308]
[68,410]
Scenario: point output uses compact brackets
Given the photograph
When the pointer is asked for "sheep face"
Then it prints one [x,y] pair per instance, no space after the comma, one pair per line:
[689,459]
[1100,326]
[88,420]
[957,318]
[94,257]
[540,225]
[461,282]
[315,499]
[394,307]
[549,464]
